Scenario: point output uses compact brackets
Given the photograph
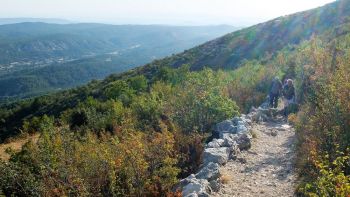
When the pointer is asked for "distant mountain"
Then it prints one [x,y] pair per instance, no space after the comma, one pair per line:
[257,41]
[4,21]
[40,57]
[39,41]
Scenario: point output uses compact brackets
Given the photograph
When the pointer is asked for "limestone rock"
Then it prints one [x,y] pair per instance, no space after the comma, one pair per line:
[183,182]
[216,155]
[195,186]
[209,172]
[229,140]
[215,143]
[236,120]
[226,125]
[244,141]
[215,185]
[203,194]
[260,114]
[192,195]
[241,128]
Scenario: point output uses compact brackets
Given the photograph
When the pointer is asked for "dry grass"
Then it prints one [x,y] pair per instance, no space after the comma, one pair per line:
[225,179]
[15,146]
[292,119]
[254,133]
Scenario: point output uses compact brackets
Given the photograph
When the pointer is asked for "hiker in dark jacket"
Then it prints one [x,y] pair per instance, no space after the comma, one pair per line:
[289,93]
[275,91]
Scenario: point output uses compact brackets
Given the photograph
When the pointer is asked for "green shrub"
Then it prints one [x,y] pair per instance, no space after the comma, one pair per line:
[323,124]
[95,115]
[37,124]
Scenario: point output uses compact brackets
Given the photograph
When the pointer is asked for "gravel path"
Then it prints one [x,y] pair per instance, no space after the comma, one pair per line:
[267,168]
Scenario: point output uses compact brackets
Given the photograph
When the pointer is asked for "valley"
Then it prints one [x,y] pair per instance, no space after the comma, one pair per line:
[44,55]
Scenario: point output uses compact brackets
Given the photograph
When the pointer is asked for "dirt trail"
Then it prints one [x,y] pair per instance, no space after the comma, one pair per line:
[15,145]
[267,168]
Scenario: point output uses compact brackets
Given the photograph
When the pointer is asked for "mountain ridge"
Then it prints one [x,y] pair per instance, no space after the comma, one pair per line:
[5,21]
[219,54]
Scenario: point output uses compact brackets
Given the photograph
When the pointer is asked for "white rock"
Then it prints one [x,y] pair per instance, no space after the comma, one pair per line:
[242,129]
[196,186]
[215,143]
[216,155]
[228,135]
[226,125]
[236,120]
[209,172]
[229,141]
[203,194]
[192,195]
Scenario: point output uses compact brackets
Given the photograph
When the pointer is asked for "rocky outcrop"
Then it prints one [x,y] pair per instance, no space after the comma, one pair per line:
[263,113]
[231,136]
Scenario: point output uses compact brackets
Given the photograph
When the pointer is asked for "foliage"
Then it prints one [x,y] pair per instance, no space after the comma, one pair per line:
[37,124]
[250,84]
[331,179]
[120,90]
[63,163]
[94,115]
[134,139]
[323,126]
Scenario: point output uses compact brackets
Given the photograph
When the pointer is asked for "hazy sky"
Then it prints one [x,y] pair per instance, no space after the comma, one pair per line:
[233,12]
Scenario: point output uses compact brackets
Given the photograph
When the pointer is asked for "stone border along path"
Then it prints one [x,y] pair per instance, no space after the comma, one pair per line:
[259,166]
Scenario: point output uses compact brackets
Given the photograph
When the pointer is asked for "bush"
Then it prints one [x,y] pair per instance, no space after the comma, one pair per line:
[199,102]
[18,181]
[147,110]
[95,115]
[331,179]
[37,124]
[62,163]
[251,83]
[120,90]
[323,124]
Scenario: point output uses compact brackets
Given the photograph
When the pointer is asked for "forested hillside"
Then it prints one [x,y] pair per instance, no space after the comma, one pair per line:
[37,57]
[40,41]
[139,132]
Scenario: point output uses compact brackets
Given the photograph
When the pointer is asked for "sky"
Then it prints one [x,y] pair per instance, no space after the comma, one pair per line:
[171,12]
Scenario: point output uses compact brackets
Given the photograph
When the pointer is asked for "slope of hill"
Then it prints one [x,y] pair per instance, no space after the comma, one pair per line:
[265,38]
[29,51]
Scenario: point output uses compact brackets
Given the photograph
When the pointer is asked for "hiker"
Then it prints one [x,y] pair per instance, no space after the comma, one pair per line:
[289,95]
[285,83]
[275,90]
